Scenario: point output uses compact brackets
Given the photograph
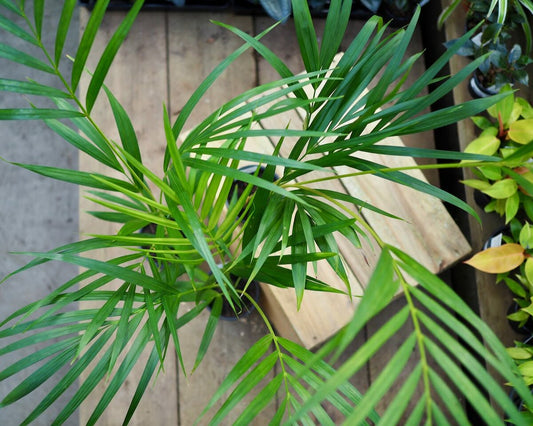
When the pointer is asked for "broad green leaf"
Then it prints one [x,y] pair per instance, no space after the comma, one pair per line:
[512,204]
[485,145]
[476,184]
[529,269]
[497,260]
[502,189]
[519,353]
[521,131]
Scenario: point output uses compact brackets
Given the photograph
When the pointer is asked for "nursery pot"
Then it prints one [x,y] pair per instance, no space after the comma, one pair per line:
[246,307]
[238,186]
[477,90]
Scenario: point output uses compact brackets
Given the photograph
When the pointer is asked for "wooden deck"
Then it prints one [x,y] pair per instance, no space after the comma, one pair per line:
[164,59]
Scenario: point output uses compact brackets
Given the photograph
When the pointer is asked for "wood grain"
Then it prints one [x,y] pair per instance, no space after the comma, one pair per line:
[141,88]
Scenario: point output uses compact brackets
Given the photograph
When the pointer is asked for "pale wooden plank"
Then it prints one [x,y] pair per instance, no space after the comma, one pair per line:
[323,315]
[196,47]
[141,87]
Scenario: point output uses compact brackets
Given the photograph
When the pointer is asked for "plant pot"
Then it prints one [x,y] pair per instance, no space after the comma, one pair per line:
[496,238]
[238,186]
[477,90]
[247,307]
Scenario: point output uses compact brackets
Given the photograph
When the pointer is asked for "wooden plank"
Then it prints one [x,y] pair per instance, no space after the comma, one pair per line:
[196,46]
[322,315]
[140,87]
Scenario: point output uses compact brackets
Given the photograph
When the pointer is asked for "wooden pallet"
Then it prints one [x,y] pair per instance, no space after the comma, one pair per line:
[164,59]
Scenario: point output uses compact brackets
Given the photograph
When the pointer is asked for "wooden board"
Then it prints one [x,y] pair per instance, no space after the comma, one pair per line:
[196,46]
[427,232]
[141,88]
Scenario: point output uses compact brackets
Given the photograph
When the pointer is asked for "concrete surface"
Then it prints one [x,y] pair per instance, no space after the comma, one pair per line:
[36,213]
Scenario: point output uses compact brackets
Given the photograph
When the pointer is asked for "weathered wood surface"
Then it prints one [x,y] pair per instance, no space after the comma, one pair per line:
[163,60]
[142,87]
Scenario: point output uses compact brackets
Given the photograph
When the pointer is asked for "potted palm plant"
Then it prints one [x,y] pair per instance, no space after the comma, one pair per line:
[199,242]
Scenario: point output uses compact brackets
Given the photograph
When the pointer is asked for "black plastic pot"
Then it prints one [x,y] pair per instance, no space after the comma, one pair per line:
[238,187]
[246,307]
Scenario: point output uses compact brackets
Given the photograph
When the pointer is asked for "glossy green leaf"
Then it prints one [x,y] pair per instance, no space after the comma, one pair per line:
[15,55]
[40,376]
[111,49]
[251,356]
[86,41]
[73,374]
[31,88]
[120,376]
[209,331]
[92,180]
[63,26]
[126,131]
[38,13]
[306,35]
[36,114]
[17,31]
